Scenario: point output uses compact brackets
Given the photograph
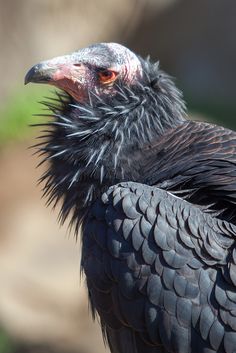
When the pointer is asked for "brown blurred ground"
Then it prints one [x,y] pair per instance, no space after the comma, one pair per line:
[42,298]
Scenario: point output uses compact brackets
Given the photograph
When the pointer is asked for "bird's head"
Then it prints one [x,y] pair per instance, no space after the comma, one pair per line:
[116,104]
[123,94]
[93,69]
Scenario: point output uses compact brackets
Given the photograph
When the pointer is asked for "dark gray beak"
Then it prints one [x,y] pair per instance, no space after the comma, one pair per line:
[50,71]
[40,73]
[64,72]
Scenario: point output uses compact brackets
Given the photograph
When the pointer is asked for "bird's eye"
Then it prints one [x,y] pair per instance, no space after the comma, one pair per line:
[107,76]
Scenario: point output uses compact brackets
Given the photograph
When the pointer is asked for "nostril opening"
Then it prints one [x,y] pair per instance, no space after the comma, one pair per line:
[77,65]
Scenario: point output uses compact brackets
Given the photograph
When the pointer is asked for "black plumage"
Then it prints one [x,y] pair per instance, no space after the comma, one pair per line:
[155,194]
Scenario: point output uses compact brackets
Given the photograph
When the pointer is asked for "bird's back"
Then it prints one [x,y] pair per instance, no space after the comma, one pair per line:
[160,265]
[196,161]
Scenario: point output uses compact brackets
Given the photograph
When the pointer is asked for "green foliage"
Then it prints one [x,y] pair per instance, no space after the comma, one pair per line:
[6,345]
[16,114]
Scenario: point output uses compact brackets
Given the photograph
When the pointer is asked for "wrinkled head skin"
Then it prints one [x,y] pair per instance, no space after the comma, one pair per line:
[113,106]
[94,69]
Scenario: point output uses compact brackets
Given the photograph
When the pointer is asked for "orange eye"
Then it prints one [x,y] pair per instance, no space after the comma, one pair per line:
[107,76]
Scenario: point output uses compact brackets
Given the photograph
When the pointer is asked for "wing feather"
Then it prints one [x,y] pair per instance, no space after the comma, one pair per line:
[160,272]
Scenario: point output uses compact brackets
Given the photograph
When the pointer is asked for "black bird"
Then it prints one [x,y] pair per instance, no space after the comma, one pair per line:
[155,194]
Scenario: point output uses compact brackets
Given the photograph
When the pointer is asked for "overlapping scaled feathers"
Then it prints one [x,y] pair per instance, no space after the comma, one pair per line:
[161,273]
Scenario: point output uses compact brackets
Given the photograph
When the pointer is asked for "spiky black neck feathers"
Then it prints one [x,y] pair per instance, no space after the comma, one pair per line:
[94,145]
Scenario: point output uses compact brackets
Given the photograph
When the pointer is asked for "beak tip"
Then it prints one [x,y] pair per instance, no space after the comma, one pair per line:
[31,75]
[26,81]
[37,74]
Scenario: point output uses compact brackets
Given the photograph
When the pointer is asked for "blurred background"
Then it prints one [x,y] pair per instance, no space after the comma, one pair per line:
[43,304]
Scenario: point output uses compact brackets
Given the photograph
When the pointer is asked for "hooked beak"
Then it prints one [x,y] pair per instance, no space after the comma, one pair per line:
[53,71]
[40,73]
[65,72]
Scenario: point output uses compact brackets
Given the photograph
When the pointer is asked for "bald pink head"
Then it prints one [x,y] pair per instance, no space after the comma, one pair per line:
[95,69]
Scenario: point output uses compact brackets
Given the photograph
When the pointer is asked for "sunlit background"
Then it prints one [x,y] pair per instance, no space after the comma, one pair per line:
[43,304]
